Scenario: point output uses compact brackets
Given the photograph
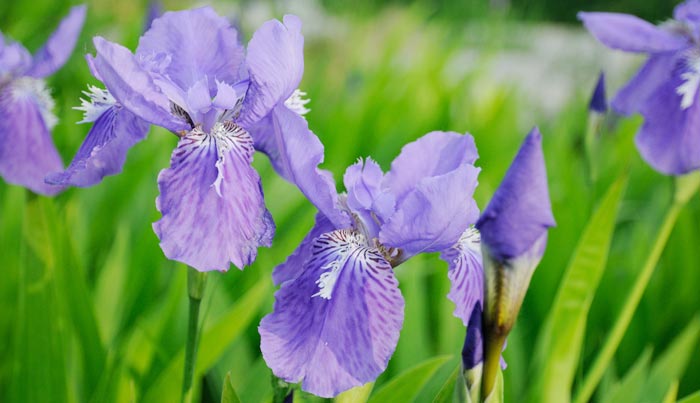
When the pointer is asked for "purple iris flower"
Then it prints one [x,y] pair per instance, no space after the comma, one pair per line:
[191,75]
[27,152]
[665,89]
[339,311]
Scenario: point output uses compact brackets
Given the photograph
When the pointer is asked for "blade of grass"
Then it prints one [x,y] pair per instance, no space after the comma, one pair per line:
[561,340]
[406,386]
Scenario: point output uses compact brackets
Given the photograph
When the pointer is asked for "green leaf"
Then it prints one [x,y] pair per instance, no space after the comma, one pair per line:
[560,341]
[228,395]
[214,341]
[448,388]
[671,365]
[358,394]
[406,386]
[672,393]
[630,387]
[693,398]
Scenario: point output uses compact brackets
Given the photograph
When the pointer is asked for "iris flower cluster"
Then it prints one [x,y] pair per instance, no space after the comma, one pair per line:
[339,311]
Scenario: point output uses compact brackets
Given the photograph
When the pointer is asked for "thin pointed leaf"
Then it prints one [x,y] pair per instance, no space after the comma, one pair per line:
[561,339]
[629,388]
[406,386]
[228,395]
[358,394]
[448,388]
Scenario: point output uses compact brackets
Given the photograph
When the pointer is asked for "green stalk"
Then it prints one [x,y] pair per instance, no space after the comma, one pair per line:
[686,186]
[196,282]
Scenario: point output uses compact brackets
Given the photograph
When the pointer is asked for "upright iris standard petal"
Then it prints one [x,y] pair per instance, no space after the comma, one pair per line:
[14,58]
[669,139]
[295,153]
[104,150]
[466,275]
[212,202]
[336,325]
[520,211]
[133,87]
[203,42]
[629,33]
[60,44]
[434,154]
[27,153]
[294,265]
[655,71]
[434,214]
[275,64]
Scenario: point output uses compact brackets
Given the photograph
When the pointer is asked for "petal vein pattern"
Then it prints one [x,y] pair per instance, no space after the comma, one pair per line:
[334,344]
[466,274]
[212,202]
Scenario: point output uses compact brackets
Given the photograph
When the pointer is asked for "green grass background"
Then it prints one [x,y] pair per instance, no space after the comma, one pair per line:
[90,309]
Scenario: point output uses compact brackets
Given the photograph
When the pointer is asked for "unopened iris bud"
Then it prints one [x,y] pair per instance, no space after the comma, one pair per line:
[514,235]
[599,103]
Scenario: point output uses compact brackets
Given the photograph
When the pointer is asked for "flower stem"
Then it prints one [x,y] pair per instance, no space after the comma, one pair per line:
[686,186]
[493,346]
[196,282]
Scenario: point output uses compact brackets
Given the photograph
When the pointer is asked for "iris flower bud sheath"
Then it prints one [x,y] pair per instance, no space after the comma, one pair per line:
[514,235]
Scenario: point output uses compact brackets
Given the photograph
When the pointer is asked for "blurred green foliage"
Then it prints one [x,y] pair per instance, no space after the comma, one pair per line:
[90,309]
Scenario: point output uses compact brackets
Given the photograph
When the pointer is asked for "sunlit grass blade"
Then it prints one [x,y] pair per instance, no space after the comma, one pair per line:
[671,365]
[359,394]
[446,392]
[406,386]
[561,340]
[228,395]
[628,389]
[692,398]
[215,339]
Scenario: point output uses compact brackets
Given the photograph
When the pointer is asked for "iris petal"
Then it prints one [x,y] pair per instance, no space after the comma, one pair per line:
[205,44]
[631,34]
[212,203]
[340,338]
[27,152]
[60,44]
[466,274]
[294,265]
[276,64]
[295,152]
[104,150]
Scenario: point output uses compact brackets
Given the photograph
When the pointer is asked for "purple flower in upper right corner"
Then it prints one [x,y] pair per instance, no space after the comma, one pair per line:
[665,89]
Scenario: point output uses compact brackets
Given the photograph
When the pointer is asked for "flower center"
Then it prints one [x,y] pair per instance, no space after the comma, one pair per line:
[97,102]
[28,87]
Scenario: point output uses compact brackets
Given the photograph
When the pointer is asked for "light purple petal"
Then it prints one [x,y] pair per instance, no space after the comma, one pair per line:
[520,212]
[466,274]
[688,11]
[366,199]
[631,34]
[60,45]
[275,64]
[295,153]
[14,59]
[342,336]
[657,70]
[434,154]
[202,44]
[132,86]
[104,150]
[294,265]
[27,153]
[669,139]
[434,214]
[212,203]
